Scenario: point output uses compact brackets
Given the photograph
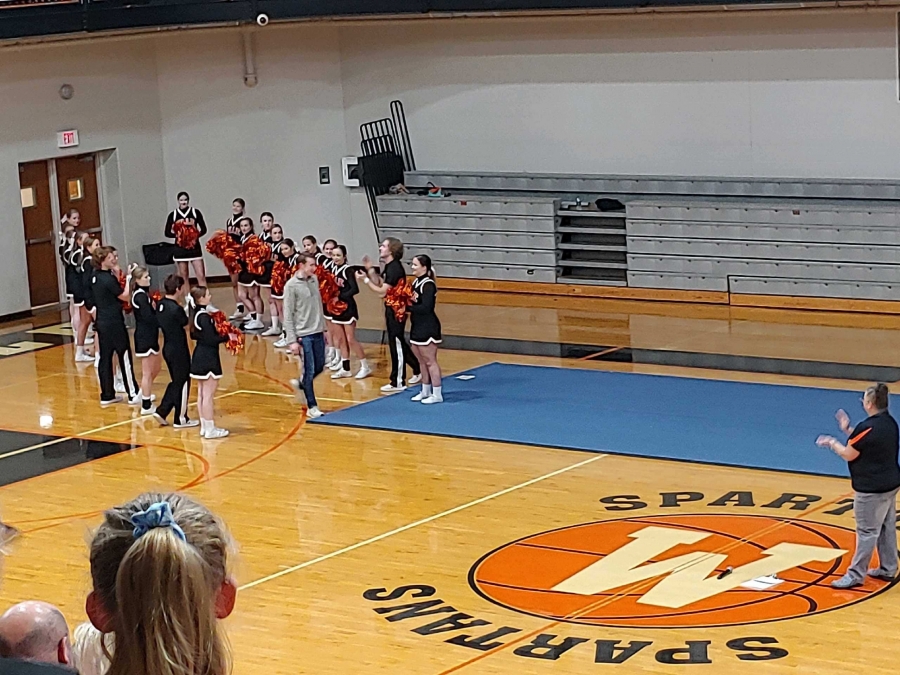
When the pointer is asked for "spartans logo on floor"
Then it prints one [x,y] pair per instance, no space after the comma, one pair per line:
[672,571]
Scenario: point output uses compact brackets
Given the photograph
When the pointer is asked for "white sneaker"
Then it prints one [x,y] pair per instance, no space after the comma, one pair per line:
[237,315]
[215,433]
[89,340]
[297,386]
[112,401]
[280,344]
[190,424]
[433,399]
[271,331]
[339,374]
[415,379]
[335,365]
[159,418]
[364,372]
[148,411]
[418,397]
[135,401]
[335,361]
[314,413]
[390,389]
[120,386]
[255,325]
[83,358]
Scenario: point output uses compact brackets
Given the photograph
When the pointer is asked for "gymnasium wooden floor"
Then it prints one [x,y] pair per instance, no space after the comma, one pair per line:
[331,523]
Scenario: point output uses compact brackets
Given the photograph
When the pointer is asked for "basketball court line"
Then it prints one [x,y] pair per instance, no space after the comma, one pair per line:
[636,587]
[423,521]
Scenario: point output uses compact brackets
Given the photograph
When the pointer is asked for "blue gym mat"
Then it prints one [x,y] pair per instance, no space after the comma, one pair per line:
[757,426]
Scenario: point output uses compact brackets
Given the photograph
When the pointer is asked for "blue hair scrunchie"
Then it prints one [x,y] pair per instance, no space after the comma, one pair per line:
[158,515]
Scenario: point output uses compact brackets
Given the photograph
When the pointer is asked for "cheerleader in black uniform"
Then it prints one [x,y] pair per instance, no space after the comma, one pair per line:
[146,335]
[344,324]
[233,229]
[70,221]
[289,256]
[80,321]
[266,222]
[206,367]
[276,239]
[114,341]
[172,320]
[191,217]
[248,283]
[425,331]
[89,314]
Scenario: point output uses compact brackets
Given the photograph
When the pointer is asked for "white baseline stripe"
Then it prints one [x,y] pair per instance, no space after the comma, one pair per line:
[423,521]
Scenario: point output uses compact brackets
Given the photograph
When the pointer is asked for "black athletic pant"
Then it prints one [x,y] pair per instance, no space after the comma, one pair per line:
[401,354]
[114,342]
[178,390]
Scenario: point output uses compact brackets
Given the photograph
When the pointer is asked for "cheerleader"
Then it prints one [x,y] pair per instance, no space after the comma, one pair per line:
[189,217]
[266,222]
[248,283]
[344,324]
[425,329]
[70,222]
[172,320]
[114,341]
[206,367]
[288,254]
[233,228]
[89,310]
[390,277]
[79,257]
[276,238]
[146,335]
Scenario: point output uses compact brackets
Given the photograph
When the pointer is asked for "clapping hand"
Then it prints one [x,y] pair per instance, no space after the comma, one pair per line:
[367,262]
[843,420]
[825,441]
[360,275]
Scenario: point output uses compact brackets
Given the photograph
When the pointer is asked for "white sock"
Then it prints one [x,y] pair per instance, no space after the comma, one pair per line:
[97,359]
[363,363]
[437,392]
[329,354]
[275,325]
[79,350]
[426,390]
[205,425]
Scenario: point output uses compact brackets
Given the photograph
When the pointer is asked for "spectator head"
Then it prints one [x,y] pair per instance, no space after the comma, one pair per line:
[158,565]
[35,631]
[876,398]
[391,249]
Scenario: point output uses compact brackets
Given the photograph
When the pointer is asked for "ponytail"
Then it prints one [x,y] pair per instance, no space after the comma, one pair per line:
[137,273]
[158,565]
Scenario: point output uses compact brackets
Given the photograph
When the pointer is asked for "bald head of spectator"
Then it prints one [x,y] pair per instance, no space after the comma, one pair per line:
[35,631]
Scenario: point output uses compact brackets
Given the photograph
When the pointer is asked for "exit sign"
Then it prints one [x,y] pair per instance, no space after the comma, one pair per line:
[67,139]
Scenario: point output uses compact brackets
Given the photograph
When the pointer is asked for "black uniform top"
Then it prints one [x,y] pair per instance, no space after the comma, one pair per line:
[204,330]
[232,227]
[178,214]
[876,439]
[65,248]
[172,318]
[346,282]
[144,314]
[106,290]
[266,237]
[87,281]
[76,260]
[325,261]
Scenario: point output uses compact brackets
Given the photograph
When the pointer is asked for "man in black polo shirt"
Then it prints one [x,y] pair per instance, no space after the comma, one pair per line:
[871,452]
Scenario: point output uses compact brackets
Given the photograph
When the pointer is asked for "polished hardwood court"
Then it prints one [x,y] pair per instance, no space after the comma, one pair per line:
[330,523]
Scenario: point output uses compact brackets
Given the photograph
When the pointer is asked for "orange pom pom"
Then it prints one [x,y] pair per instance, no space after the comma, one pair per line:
[254,254]
[399,298]
[223,246]
[186,234]
[224,328]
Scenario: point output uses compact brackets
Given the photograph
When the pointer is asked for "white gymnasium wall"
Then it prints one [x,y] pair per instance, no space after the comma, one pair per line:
[222,139]
[115,106]
[811,95]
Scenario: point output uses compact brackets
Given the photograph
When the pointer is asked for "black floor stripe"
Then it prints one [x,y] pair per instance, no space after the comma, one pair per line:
[663,357]
[53,457]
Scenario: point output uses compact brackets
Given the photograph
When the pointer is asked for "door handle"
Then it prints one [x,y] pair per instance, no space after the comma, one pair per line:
[39,241]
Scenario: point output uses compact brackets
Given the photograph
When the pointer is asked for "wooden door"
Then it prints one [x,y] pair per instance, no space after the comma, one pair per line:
[76,180]
[40,243]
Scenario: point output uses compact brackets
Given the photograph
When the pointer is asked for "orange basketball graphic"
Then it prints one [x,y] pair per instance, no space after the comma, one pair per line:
[669,571]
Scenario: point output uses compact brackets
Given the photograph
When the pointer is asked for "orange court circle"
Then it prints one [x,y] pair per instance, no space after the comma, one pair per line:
[521,575]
